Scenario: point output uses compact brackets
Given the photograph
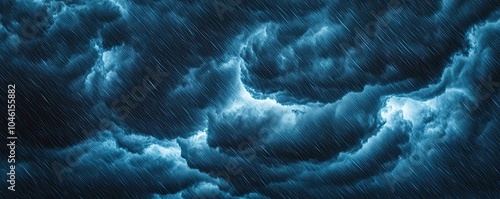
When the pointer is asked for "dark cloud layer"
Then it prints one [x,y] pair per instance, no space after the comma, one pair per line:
[253,99]
[355,44]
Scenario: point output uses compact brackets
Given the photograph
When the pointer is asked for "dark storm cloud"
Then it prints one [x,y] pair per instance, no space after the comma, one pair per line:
[472,121]
[102,166]
[51,53]
[424,136]
[249,169]
[242,172]
[327,54]
[175,38]
[291,133]
[188,41]
[206,190]
[84,53]
[155,99]
[368,160]
[449,137]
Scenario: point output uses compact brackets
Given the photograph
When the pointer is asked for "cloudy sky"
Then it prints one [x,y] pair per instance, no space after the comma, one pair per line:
[253,99]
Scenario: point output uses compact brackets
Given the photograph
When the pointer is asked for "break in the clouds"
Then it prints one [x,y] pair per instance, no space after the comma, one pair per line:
[252,99]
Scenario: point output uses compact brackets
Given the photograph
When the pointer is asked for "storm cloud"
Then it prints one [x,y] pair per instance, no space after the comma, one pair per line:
[252,99]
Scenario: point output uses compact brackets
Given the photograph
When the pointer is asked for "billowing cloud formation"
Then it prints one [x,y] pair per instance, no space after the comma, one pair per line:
[251,99]
[353,45]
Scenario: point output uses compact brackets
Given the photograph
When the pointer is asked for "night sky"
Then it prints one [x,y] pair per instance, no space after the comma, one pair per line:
[252,99]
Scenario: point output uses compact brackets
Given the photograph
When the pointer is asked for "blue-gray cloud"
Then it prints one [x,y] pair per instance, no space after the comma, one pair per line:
[252,99]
